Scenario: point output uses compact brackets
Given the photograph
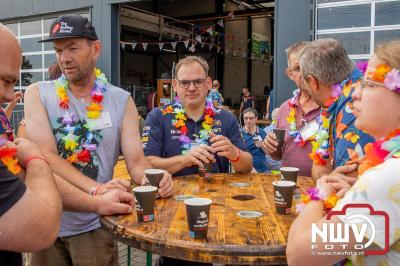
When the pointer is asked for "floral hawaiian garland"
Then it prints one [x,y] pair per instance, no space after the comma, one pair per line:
[179,122]
[320,147]
[291,119]
[7,157]
[81,151]
[317,194]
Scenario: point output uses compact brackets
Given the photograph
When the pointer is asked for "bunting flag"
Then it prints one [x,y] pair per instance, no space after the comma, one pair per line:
[232,15]
[192,48]
[220,23]
[145,46]
[161,45]
[186,44]
[173,44]
[210,31]
[123,45]
[198,38]
[133,45]
[202,44]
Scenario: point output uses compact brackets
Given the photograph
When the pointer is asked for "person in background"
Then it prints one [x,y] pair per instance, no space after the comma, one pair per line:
[376,106]
[215,96]
[295,115]
[271,163]
[253,138]
[246,101]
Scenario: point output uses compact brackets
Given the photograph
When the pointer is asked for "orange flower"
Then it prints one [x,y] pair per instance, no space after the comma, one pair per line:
[209,120]
[380,73]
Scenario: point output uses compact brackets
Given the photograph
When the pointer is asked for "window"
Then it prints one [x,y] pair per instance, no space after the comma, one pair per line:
[37,57]
[359,24]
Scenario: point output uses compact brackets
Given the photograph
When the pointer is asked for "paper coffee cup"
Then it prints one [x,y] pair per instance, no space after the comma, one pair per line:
[206,171]
[198,210]
[289,173]
[154,176]
[283,192]
[145,197]
[280,134]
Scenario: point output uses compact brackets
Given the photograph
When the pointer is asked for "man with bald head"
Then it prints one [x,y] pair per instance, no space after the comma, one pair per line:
[30,211]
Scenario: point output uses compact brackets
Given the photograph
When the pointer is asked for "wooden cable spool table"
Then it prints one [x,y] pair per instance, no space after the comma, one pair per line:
[230,239]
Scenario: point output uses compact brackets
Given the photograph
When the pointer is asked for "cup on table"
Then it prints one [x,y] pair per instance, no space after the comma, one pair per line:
[206,171]
[198,210]
[283,193]
[145,197]
[280,135]
[289,173]
[154,176]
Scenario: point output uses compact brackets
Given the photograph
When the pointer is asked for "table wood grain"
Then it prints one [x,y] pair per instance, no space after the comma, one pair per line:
[230,239]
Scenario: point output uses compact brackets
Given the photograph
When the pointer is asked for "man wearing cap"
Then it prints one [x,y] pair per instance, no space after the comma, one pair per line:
[81,122]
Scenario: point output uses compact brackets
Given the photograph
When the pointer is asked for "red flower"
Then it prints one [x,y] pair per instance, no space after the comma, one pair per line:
[97,98]
[184,130]
[64,104]
[209,111]
[4,151]
[84,156]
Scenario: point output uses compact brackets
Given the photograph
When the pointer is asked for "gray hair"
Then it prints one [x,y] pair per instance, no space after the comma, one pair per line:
[326,60]
[250,110]
[295,48]
[190,60]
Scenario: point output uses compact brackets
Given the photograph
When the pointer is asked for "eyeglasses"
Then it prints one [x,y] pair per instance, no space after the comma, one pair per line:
[185,84]
[249,118]
[366,81]
[294,69]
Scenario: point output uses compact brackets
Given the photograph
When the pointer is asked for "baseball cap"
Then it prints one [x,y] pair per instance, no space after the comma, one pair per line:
[71,26]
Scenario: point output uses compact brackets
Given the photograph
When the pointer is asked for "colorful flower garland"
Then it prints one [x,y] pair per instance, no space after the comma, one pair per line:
[317,194]
[380,150]
[180,123]
[7,157]
[388,76]
[81,151]
[320,147]
[291,119]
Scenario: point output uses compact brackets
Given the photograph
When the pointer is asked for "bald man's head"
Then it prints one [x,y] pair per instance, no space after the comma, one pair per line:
[10,63]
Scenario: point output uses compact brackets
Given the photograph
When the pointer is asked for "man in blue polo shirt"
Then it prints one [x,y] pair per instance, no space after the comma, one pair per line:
[171,131]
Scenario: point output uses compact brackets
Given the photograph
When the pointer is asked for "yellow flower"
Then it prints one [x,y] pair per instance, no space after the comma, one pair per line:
[206,126]
[325,122]
[180,116]
[97,72]
[93,114]
[70,144]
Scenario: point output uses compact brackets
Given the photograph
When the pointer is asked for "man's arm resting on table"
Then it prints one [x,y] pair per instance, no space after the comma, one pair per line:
[111,202]
[39,131]
[33,222]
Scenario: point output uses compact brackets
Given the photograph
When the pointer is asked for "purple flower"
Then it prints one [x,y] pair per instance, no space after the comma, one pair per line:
[362,66]
[89,147]
[336,90]
[3,141]
[313,192]
[184,139]
[68,118]
[392,80]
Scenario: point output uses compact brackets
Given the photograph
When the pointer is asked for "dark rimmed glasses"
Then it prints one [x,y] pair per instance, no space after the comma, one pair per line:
[185,84]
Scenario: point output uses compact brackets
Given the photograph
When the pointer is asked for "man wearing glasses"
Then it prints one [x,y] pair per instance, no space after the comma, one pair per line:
[305,110]
[190,132]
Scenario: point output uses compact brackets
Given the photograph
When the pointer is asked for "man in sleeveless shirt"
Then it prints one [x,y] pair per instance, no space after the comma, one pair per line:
[81,122]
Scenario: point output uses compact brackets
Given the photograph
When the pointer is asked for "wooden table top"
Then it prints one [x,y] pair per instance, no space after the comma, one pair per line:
[230,239]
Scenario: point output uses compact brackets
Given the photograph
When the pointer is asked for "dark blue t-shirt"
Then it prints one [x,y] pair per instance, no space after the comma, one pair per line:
[259,161]
[160,138]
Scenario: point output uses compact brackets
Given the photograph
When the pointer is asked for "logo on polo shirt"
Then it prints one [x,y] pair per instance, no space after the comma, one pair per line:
[55,28]
[65,28]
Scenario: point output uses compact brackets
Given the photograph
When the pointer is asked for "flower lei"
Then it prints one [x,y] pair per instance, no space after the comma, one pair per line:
[291,119]
[381,150]
[80,154]
[388,76]
[179,122]
[317,194]
[7,157]
[320,147]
